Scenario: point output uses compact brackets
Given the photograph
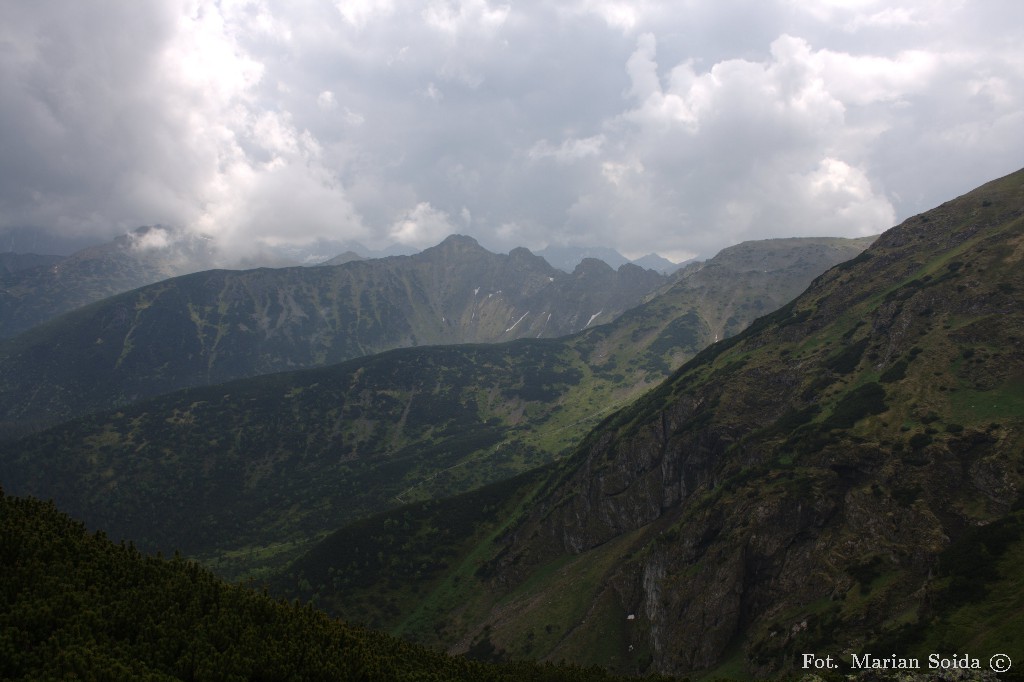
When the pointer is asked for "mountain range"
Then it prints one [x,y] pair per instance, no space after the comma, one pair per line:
[843,476]
[246,473]
[35,288]
[218,325]
[568,257]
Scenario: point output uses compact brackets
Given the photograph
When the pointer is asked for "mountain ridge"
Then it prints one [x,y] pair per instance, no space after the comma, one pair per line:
[219,325]
[36,288]
[11,262]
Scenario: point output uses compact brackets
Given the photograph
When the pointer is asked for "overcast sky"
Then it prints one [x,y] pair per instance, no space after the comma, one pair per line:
[673,127]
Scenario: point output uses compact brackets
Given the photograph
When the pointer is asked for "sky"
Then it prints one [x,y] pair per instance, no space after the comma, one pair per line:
[671,127]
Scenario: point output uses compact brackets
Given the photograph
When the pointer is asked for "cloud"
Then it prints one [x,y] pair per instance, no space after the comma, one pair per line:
[890,17]
[569,150]
[675,127]
[161,117]
[359,12]
[747,149]
[455,18]
[325,100]
[155,238]
[860,15]
[782,145]
[621,15]
[422,226]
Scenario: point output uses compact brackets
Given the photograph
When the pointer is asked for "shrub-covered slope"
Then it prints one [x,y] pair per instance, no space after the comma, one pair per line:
[844,476]
[73,605]
[246,473]
[240,472]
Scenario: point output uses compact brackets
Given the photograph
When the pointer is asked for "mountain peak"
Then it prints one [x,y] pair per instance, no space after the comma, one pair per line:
[459,241]
[523,255]
[593,266]
[454,246]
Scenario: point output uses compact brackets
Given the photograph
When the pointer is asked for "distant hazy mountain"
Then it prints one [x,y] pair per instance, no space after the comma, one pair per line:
[342,258]
[35,289]
[16,262]
[32,240]
[323,250]
[232,470]
[218,325]
[655,262]
[568,257]
[30,296]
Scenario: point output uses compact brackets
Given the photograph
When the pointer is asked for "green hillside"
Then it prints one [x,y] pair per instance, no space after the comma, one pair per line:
[74,605]
[240,472]
[845,476]
[244,475]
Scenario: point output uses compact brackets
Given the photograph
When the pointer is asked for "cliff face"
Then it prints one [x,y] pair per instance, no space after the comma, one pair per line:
[793,488]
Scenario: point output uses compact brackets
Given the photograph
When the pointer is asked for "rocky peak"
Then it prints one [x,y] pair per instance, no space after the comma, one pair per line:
[593,267]
[456,243]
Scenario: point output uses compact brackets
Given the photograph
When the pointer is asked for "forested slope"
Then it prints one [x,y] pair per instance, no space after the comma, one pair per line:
[74,605]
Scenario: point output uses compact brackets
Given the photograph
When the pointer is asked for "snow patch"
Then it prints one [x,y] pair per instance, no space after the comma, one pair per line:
[517,322]
[545,325]
[592,318]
